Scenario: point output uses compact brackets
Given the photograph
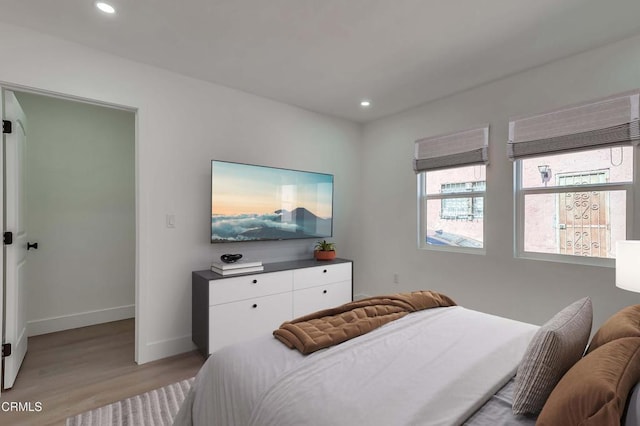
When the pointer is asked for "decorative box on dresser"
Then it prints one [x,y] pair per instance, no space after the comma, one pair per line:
[232,308]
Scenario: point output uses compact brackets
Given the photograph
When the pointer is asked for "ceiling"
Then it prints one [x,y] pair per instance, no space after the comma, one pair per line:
[327,55]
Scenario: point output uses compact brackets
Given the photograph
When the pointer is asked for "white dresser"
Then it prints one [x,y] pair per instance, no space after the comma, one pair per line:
[230,309]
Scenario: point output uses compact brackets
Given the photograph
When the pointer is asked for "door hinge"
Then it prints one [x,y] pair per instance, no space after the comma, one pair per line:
[6,349]
[8,238]
[6,126]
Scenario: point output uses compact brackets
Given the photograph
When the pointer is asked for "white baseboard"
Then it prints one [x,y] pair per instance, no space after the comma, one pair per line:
[360,296]
[81,319]
[166,348]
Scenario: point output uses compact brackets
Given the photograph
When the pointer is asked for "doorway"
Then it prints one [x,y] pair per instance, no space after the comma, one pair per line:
[80,211]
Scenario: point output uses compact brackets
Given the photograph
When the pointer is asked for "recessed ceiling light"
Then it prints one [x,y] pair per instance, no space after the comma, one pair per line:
[105,7]
[365,103]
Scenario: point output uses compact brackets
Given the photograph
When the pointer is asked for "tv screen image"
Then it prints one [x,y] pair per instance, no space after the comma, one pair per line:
[254,203]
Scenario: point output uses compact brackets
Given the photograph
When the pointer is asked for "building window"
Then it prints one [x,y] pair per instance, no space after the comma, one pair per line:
[574,206]
[451,208]
[462,208]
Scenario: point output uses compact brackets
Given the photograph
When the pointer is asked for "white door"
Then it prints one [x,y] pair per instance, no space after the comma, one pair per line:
[15,320]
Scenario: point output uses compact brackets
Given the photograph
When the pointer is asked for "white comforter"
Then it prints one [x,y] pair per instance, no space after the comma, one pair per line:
[433,367]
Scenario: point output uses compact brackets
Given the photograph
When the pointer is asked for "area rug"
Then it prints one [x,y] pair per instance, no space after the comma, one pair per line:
[154,408]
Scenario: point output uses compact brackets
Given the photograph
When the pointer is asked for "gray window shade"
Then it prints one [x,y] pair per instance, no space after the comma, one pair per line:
[606,122]
[452,150]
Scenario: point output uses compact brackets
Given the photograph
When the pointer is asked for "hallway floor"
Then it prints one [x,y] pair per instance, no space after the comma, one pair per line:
[73,371]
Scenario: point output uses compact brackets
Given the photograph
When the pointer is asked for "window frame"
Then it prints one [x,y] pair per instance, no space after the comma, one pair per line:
[519,220]
[423,198]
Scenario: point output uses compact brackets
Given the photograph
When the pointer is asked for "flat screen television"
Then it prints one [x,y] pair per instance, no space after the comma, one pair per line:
[257,203]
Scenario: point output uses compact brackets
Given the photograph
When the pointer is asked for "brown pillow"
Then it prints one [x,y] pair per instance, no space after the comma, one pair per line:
[594,391]
[624,323]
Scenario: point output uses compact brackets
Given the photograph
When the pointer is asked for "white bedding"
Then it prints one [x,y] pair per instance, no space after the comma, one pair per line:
[433,367]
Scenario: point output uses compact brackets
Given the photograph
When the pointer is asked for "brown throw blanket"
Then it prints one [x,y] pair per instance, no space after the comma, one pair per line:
[329,327]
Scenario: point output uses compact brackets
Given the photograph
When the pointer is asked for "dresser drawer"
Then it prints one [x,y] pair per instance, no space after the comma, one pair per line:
[320,275]
[231,323]
[326,296]
[249,286]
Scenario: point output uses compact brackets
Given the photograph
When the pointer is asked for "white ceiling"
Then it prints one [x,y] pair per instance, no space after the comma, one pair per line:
[327,55]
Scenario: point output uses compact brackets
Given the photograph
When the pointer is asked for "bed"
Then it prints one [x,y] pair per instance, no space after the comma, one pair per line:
[439,366]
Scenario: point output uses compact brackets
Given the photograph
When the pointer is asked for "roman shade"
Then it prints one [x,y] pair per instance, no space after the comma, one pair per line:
[463,148]
[607,122]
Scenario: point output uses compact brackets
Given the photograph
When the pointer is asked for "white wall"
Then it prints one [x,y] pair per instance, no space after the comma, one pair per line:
[80,208]
[182,124]
[522,289]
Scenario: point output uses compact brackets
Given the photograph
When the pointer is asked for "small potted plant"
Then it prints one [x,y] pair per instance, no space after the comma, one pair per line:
[325,250]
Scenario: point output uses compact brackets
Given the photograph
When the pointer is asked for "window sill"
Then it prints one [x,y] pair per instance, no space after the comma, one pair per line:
[572,260]
[453,249]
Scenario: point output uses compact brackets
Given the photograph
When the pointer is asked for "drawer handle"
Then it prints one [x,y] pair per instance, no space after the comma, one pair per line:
[324,291]
[255,305]
[324,272]
[254,281]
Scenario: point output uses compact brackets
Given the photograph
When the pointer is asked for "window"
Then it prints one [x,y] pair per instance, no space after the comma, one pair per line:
[582,209]
[451,187]
[574,191]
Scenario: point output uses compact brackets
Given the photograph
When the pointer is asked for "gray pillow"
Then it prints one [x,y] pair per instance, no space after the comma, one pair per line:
[554,349]
[632,411]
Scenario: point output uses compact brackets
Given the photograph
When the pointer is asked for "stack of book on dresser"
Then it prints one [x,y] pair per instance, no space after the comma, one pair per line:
[239,267]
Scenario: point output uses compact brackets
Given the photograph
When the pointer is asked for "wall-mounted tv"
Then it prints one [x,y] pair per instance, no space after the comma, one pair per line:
[256,203]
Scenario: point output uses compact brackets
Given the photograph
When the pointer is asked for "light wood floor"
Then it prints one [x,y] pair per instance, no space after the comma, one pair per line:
[78,370]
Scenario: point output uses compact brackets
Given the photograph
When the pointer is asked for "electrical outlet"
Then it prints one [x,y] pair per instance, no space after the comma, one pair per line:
[396,278]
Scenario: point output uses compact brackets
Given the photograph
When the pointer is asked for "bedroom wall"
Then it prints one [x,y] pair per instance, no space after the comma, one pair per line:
[498,283]
[80,208]
[182,124]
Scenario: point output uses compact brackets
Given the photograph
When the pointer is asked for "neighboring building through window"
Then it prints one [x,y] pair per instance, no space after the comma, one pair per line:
[581,210]
[452,207]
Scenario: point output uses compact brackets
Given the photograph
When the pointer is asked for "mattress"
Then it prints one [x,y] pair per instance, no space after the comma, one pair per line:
[434,367]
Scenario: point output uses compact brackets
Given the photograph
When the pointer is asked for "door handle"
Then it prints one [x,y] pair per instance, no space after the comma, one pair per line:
[32,246]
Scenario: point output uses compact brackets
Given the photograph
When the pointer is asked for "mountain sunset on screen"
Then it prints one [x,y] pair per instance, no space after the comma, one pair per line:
[264,203]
